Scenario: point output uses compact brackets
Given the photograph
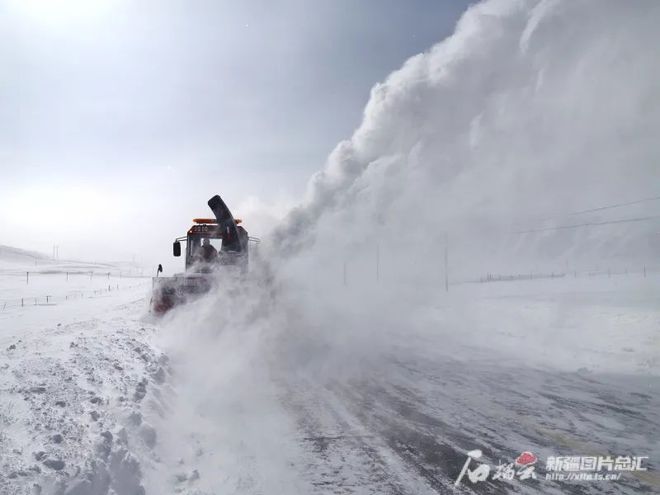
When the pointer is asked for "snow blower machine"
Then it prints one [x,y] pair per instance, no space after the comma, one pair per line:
[212,245]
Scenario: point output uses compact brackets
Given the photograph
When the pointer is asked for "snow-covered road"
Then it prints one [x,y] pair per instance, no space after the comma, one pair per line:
[99,398]
[406,424]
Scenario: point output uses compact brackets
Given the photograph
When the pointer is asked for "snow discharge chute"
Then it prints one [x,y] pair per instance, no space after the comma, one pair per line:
[226,224]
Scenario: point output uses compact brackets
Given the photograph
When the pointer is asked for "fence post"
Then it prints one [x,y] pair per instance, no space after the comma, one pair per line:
[27,277]
[22,303]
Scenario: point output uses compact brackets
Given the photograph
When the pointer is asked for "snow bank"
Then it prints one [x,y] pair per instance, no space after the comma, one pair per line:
[74,376]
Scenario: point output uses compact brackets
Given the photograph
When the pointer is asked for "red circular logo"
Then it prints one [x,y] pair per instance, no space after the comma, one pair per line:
[526,459]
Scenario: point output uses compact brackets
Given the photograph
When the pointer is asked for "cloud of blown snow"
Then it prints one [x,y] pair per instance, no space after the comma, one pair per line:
[531,111]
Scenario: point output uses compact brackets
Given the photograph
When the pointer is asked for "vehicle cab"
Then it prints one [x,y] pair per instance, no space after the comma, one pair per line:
[209,246]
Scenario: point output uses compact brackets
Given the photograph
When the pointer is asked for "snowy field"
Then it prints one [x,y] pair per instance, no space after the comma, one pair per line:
[252,391]
[32,279]
[62,359]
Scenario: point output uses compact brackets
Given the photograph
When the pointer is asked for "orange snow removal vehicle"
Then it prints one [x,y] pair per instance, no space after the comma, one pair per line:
[212,244]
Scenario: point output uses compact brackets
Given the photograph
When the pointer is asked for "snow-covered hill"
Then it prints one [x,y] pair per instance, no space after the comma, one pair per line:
[12,255]
[14,259]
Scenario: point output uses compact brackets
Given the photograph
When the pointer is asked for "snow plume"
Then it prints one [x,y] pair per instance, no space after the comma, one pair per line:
[532,111]
[224,429]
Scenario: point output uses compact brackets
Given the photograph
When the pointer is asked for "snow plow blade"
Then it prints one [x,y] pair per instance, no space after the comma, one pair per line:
[171,291]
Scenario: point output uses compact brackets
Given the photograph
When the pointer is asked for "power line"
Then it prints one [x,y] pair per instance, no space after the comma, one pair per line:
[592,210]
[614,206]
[588,224]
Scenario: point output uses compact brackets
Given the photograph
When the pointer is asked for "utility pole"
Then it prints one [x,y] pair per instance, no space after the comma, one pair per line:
[446,262]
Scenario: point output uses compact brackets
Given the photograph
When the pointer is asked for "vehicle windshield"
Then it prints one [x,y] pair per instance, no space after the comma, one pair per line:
[203,250]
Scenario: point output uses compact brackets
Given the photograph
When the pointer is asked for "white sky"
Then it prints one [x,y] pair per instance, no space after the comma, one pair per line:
[119,119]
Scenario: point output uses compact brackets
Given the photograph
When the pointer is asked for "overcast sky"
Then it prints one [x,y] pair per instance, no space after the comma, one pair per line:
[115,113]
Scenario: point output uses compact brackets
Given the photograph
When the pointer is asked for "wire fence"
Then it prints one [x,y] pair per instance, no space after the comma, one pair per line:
[48,300]
[642,271]
[378,266]
[47,288]
[28,276]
